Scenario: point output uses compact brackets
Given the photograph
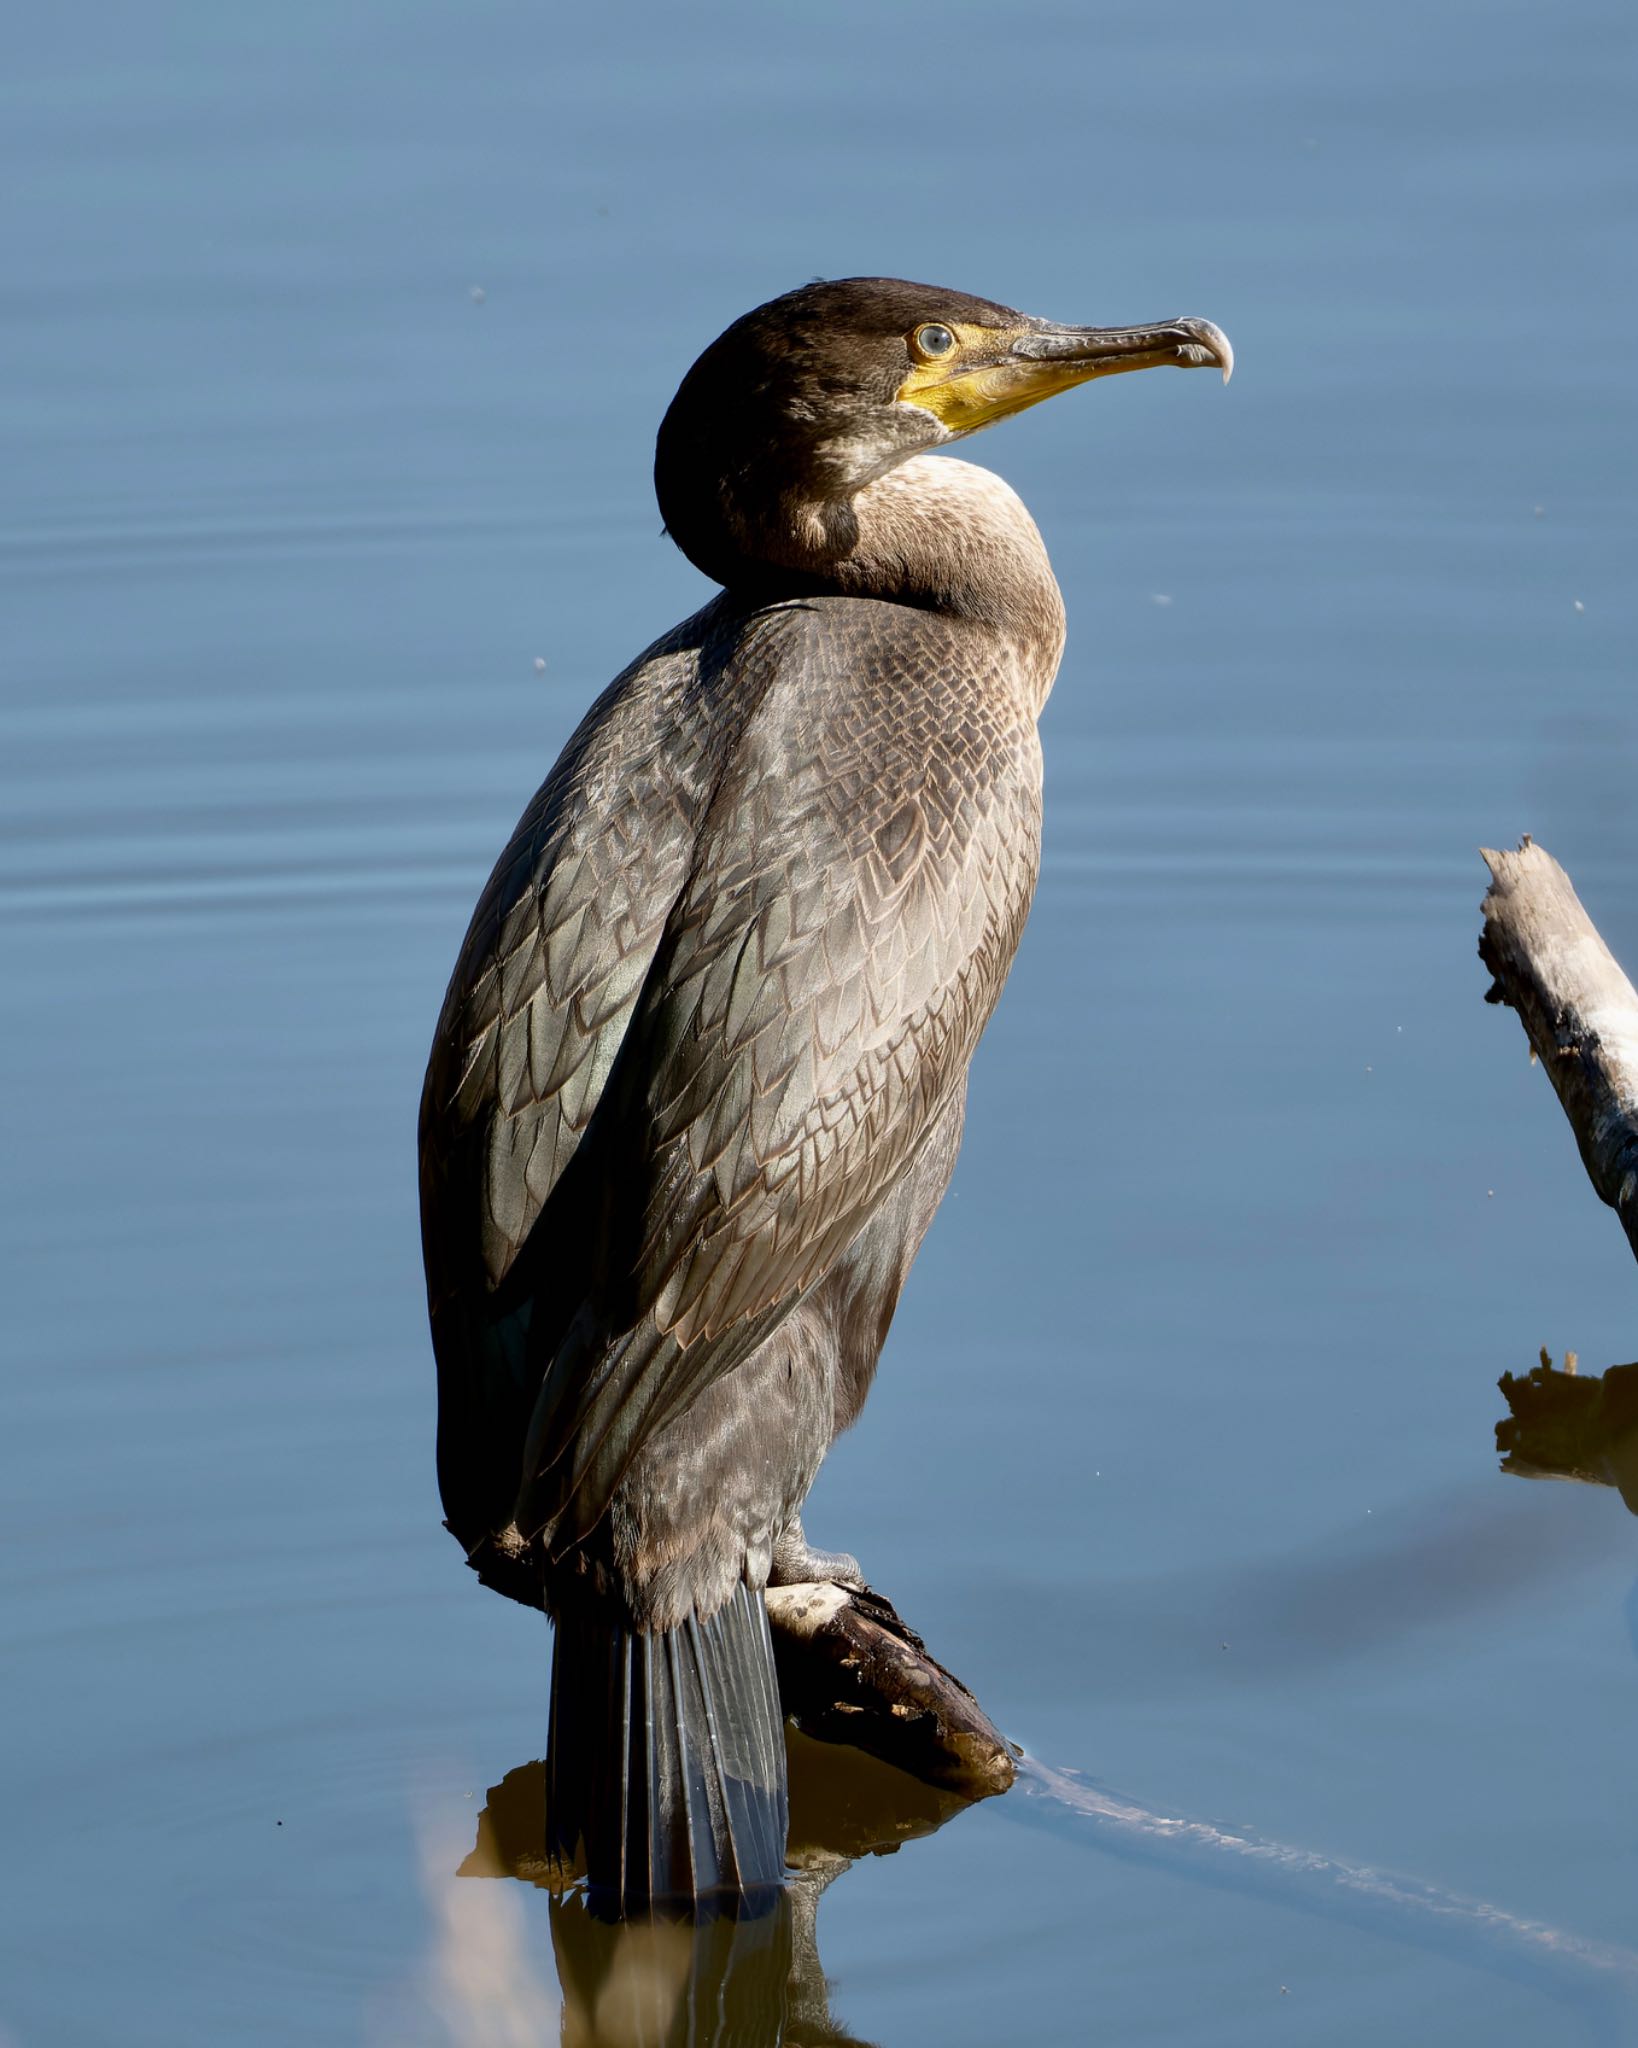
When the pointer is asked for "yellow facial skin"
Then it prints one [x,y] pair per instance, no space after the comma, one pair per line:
[968,388]
[980,380]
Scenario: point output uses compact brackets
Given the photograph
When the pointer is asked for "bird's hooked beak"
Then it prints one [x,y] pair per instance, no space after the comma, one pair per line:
[993,372]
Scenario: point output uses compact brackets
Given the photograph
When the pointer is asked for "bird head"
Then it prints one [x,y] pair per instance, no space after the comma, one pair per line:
[807,400]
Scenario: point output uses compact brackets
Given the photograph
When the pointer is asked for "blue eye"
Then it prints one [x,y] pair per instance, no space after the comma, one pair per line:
[934,340]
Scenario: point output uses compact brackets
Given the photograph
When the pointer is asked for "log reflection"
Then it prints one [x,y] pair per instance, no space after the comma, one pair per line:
[1572,1425]
[743,1978]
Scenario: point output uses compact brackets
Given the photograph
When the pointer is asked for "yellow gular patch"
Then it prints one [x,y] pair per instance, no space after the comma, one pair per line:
[968,389]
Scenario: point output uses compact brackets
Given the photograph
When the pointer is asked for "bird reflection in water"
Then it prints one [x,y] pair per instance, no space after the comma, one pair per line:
[748,1976]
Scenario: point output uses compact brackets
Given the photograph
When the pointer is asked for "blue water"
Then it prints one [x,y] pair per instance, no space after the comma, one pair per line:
[1181,1453]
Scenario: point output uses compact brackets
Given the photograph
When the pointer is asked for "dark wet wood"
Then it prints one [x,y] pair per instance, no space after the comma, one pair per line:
[1578,1008]
[851,1671]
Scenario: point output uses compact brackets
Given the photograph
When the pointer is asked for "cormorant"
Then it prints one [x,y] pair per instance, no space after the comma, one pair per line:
[698,1082]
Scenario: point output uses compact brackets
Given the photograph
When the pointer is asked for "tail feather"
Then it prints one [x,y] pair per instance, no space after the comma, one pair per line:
[665,1763]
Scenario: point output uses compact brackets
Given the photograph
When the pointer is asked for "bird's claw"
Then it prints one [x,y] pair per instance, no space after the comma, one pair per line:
[797,1563]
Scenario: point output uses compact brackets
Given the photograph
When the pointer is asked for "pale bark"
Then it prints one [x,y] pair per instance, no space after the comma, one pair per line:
[1579,1009]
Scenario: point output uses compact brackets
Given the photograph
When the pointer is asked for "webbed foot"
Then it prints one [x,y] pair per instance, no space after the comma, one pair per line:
[797,1563]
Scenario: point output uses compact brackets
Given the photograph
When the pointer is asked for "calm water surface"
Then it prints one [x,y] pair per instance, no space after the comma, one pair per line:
[1181,1452]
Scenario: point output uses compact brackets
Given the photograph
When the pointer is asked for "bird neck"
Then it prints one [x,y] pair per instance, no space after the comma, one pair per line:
[949,537]
[934,533]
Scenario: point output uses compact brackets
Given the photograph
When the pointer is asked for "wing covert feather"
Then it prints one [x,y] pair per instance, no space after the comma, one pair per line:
[560,944]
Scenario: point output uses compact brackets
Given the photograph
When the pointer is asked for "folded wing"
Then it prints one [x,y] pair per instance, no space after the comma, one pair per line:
[854,899]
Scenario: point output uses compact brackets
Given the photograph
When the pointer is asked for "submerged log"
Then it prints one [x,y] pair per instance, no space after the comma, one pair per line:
[850,1670]
[1578,1008]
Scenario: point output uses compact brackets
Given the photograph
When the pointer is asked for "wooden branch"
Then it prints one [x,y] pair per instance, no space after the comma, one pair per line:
[851,1671]
[1579,1009]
